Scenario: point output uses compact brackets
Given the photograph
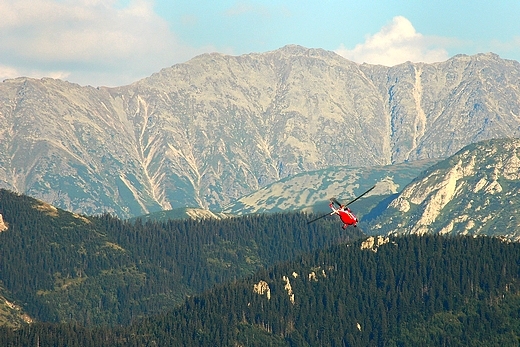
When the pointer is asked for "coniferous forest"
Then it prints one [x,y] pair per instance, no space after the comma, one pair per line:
[317,290]
[62,267]
[429,290]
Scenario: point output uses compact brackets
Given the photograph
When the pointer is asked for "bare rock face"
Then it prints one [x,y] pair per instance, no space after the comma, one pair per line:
[206,132]
[3,225]
[436,109]
[474,192]
[262,288]
[372,243]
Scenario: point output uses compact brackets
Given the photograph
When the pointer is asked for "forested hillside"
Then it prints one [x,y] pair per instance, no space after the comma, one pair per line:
[406,291]
[64,267]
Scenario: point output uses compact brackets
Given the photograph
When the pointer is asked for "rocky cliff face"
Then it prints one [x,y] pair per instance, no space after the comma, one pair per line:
[476,192]
[3,225]
[218,127]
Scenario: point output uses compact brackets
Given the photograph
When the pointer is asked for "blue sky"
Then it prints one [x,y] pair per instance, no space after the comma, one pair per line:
[116,42]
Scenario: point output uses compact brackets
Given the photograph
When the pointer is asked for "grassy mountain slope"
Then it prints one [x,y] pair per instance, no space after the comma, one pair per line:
[11,314]
[180,213]
[311,191]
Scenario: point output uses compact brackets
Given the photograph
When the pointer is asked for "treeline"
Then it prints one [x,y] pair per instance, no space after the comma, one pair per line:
[430,290]
[61,267]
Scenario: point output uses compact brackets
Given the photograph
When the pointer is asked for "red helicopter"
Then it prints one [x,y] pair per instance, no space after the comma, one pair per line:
[344,213]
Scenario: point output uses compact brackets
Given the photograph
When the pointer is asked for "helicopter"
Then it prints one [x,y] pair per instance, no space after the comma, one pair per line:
[342,210]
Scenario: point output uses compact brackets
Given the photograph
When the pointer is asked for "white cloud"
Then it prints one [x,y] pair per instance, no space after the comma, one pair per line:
[394,44]
[7,72]
[97,42]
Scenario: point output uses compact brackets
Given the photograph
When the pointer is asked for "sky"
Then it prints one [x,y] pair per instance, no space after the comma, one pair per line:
[117,42]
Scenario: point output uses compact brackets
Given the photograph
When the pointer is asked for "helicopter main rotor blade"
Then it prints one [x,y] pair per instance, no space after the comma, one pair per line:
[334,200]
[360,196]
[320,217]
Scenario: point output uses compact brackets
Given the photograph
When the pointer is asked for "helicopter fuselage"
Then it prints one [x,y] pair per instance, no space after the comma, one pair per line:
[346,216]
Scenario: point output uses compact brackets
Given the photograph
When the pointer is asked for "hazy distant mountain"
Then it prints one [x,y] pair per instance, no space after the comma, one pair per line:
[218,127]
[311,191]
[475,192]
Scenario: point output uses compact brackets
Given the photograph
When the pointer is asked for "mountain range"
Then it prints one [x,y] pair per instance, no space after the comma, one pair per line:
[210,131]
[476,191]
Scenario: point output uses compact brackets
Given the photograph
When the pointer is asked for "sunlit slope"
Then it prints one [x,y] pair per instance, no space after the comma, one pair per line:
[475,192]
